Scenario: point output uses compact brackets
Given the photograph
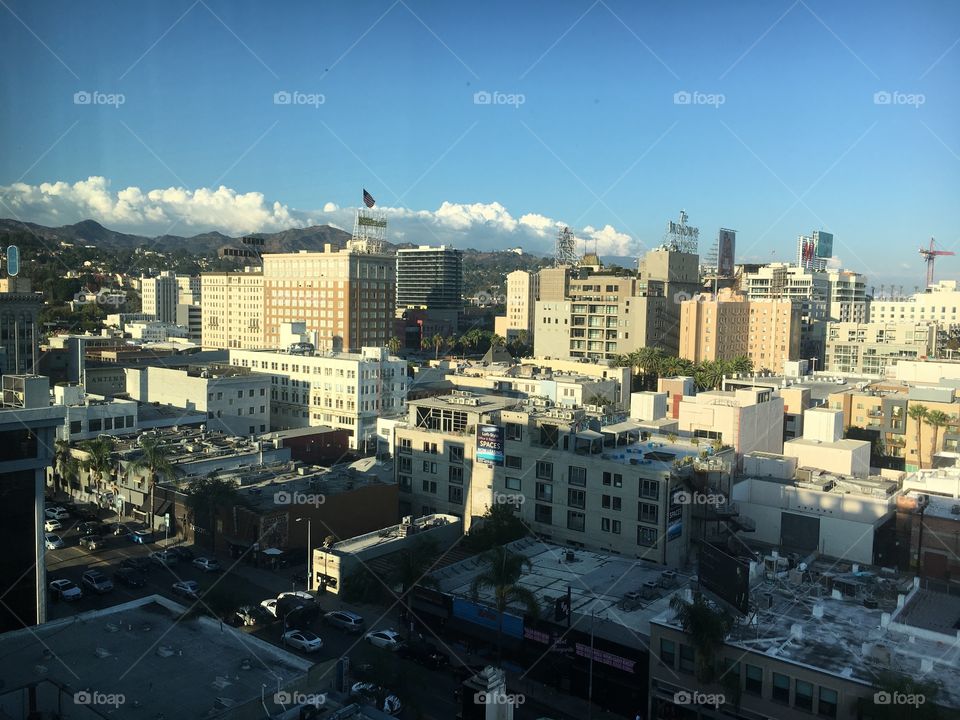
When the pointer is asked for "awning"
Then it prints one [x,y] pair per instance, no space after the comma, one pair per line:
[589,435]
[164,508]
[622,427]
[273,551]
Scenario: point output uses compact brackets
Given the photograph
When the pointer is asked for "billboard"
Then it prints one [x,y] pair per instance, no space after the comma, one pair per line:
[823,243]
[13,261]
[725,576]
[675,515]
[487,617]
[490,444]
[726,246]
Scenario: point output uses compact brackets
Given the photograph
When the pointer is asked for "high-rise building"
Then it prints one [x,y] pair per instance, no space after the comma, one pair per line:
[430,277]
[522,293]
[814,250]
[232,310]
[18,331]
[729,326]
[159,296]
[676,276]
[872,348]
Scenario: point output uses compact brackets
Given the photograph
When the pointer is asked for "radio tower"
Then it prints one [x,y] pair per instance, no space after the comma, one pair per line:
[566,253]
[930,256]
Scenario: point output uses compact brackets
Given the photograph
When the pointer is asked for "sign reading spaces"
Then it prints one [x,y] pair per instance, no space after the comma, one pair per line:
[490,444]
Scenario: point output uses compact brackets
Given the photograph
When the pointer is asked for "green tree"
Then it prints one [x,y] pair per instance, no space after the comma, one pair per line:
[709,375]
[936,419]
[742,365]
[707,628]
[99,460]
[918,414]
[412,568]
[437,341]
[394,344]
[497,340]
[205,495]
[498,526]
[154,459]
[61,460]
[501,573]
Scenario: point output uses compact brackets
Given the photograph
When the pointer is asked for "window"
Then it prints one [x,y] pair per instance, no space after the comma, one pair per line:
[514,462]
[455,494]
[94,424]
[576,498]
[543,514]
[456,475]
[75,427]
[610,526]
[827,705]
[512,483]
[668,652]
[429,467]
[429,447]
[430,486]
[781,688]
[754,682]
[406,485]
[686,658]
[646,536]
[514,431]
[650,489]
[802,695]
[647,512]
[545,492]
[610,502]
[577,475]
[406,446]
[456,454]
[576,520]
[544,470]
[406,465]
[614,479]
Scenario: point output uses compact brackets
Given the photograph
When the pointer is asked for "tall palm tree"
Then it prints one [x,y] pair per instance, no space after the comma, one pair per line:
[936,419]
[918,413]
[155,460]
[412,568]
[437,341]
[497,340]
[99,461]
[709,375]
[707,629]
[394,345]
[61,457]
[501,574]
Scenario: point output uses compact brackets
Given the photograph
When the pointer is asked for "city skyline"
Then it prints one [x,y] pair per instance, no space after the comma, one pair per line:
[775,120]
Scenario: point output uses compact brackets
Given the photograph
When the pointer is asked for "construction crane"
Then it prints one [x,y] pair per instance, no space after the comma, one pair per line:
[930,256]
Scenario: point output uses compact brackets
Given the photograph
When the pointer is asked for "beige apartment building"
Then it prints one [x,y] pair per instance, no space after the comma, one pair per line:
[523,289]
[729,325]
[232,310]
[872,348]
[749,419]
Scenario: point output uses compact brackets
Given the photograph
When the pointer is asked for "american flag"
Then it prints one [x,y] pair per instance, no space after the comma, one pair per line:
[368,199]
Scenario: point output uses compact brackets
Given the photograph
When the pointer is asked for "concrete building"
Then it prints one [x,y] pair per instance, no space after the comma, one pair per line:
[872,349]
[89,415]
[749,419]
[19,334]
[430,277]
[232,310]
[937,304]
[823,447]
[675,276]
[814,250]
[235,400]
[159,296]
[341,390]
[157,332]
[554,283]
[523,291]
[729,326]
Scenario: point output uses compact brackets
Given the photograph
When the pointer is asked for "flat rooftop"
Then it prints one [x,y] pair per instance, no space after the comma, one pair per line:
[391,534]
[598,583]
[162,665]
[471,402]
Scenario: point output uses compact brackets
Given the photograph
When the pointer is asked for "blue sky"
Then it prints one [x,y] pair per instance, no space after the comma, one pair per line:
[782,135]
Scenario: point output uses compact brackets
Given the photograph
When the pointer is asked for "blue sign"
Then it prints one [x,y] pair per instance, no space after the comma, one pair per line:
[487,617]
[13,261]
[675,515]
[490,444]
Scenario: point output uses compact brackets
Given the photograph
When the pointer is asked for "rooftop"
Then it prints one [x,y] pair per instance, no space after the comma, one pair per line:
[391,534]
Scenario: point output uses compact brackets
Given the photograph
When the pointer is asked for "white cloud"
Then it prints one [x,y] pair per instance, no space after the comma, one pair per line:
[182,211]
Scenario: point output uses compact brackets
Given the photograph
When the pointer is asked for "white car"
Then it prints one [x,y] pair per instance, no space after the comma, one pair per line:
[65,590]
[52,526]
[56,513]
[386,639]
[303,595]
[206,564]
[187,588]
[52,541]
[303,639]
[270,606]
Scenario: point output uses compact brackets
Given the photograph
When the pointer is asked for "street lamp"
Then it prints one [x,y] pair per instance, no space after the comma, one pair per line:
[309,552]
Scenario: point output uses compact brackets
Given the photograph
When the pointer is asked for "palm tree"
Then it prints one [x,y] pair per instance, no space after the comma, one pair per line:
[99,461]
[61,457]
[742,365]
[709,375]
[502,575]
[936,419]
[155,460]
[497,340]
[412,568]
[707,629]
[918,413]
[437,341]
[394,345]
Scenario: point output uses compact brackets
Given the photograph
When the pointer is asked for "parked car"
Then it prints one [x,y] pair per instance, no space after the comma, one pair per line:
[86,512]
[140,564]
[386,639]
[345,620]
[303,639]
[52,541]
[56,513]
[425,653]
[90,527]
[248,616]
[52,526]
[64,589]
[141,537]
[182,553]
[130,577]
[92,542]
[270,605]
[187,588]
[97,581]
[207,564]
[163,557]
[118,529]
[300,594]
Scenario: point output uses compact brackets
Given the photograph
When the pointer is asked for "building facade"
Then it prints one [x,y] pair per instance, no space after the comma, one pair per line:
[232,305]
[873,348]
[430,277]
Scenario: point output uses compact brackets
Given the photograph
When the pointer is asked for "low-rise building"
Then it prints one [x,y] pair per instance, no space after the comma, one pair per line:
[872,349]
[748,419]
[823,446]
